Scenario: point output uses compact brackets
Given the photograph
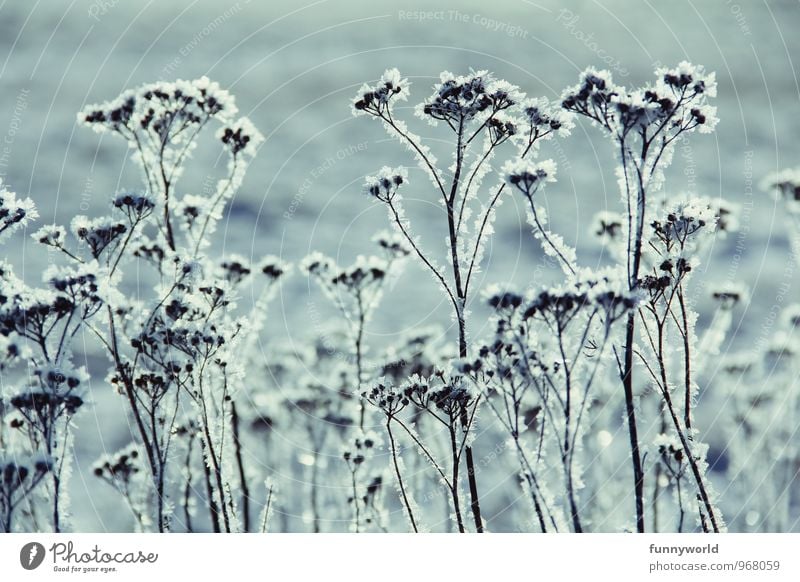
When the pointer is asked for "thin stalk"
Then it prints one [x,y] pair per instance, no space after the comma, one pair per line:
[187,490]
[212,502]
[212,455]
[534,485]
[473,484]
[656,485]
[698,477]
[237,443]
[399,476]
[546,237]
[130,393]
[267,508]
[633,261]
[357,515]
[630,413]
[315,493]
[687,365]
[566,451]
[680,504]
[359,355]
[454,480]
[217,474]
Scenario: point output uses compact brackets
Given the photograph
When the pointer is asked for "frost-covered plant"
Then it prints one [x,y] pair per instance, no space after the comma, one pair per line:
[445,398]
[172,352]
[36,329]
[643,125]
[364,437]
[673,242]
[763,394]
[19,477]
[785,186]
[14,213]
[124,472]
[483,116]
[365,499]
[761,428]
[537,376]
[356,291]
[161,123]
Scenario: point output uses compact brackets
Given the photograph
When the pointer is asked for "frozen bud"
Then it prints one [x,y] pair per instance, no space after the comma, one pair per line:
[51,235]
[241,136]
[527,176]
[112,115]
[739,364]
[15,213]
[790,317]
[502,127]
[119,468]
[385,184]
[546,119]
[97,233]
[377,99]
[235,269]
[503,299]
[729,295]
[393,243]
[362,274]
[457,100]
[688,79]
[682,221]
[317,264]
[273,267]
[783,348]
[785,185]
[134,206]
[591,96]
[607,226]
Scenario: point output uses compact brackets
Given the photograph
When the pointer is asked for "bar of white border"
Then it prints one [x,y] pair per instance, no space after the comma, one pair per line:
[406,557]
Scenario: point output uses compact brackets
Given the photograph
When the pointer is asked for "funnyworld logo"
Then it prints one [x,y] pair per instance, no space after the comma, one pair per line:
[31,555]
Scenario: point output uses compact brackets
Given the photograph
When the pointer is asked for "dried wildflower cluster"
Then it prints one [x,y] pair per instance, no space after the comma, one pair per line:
[434,430]
[546,374]
[173,353]
[14,213]
[162,123]
[786,186]
[676,102]
[19,477]
[42,389]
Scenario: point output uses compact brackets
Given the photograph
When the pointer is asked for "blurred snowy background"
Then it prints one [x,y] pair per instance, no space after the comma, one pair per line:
[294,66]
